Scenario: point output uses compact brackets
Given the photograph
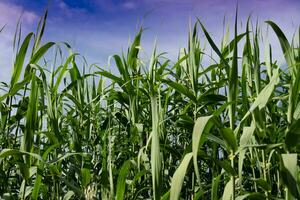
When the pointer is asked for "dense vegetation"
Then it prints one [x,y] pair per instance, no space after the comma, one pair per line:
[158,129]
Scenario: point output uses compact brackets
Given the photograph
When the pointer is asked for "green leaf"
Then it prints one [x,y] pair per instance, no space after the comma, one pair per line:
[263,97]
[66,155]
[86,176]
[215,187]
[253,196]
[166,196]
[233,80]
[230,47]
[229,138]
[290,175]
[19,60]
[293,68]
[227,167]
[17,87]
[63,71]
[244,141]
[202,125]
[227,193]
[121,183]
[112,77]
[292,139]
[13,152]
[37,185]
[182,90]
[69,195]
[178,177]
[41,52]
[122,70]
[285,46]
[263,184]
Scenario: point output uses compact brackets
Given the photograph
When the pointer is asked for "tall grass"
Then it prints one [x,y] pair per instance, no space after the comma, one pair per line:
[157,129]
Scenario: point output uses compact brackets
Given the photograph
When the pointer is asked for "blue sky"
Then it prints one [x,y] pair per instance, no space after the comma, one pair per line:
[100,28]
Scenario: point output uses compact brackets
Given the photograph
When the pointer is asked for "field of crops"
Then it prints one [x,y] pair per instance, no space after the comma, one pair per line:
[158,129]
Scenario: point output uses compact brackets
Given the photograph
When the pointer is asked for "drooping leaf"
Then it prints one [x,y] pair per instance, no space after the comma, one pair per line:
[178,177]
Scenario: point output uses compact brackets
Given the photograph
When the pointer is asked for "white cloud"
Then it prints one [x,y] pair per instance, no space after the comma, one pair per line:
[68,10]
[130,5]
[113,6]
[9,16]
[10,13]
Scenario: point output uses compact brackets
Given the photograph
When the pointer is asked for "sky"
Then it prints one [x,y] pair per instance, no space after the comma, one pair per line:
[98,29]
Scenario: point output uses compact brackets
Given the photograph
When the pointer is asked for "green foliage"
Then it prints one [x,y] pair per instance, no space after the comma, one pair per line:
[157,129]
